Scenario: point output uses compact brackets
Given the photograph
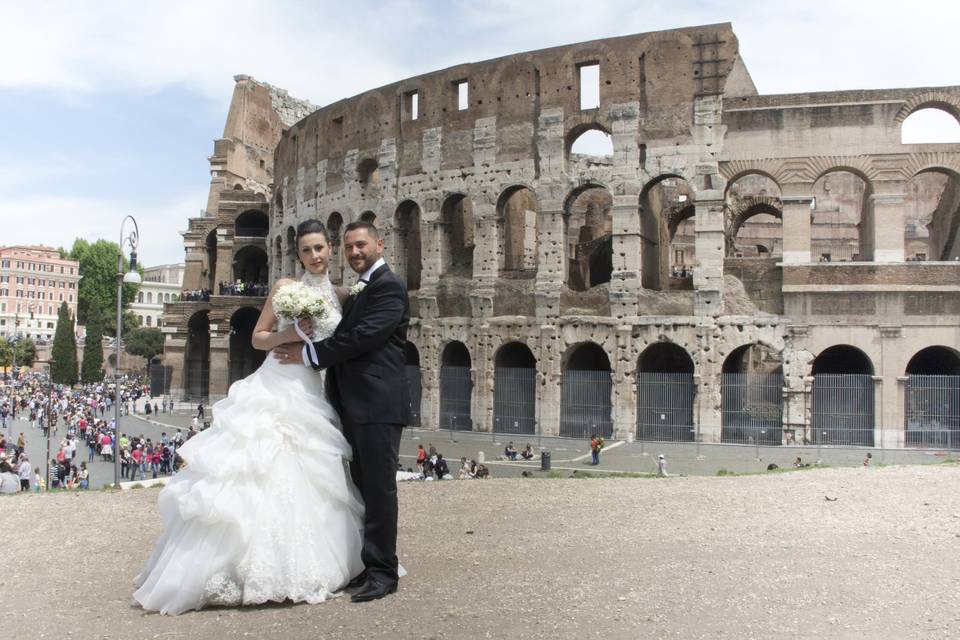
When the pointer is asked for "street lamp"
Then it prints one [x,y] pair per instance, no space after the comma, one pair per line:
[130,277]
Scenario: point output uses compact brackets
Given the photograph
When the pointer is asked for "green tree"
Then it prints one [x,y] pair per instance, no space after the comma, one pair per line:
[98,284]
[91,370]
[130,322]
[146,342]
[25,348]
[64,352]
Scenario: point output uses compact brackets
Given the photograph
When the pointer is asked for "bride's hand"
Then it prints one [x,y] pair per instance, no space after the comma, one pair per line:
[306,325]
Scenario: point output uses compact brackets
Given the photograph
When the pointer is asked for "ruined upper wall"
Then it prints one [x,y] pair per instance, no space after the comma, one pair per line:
[661,72]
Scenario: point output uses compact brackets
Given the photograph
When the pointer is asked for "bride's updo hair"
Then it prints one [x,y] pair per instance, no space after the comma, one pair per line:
[311,226]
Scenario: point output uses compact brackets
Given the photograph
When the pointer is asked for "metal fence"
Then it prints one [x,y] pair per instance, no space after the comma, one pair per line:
[665,407]
[585,407]
[933,411]
[415,388]
[842,410]
[515,400]
[456,389]
[752,408]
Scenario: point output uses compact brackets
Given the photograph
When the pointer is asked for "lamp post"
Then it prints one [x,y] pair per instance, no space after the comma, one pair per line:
[130,277]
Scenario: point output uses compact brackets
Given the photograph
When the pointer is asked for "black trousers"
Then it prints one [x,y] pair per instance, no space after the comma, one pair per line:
[376,451]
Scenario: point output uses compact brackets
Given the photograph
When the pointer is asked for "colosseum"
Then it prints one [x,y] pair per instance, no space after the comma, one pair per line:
[619,237]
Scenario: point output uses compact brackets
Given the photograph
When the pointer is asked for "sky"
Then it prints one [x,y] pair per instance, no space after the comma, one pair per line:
[109,108]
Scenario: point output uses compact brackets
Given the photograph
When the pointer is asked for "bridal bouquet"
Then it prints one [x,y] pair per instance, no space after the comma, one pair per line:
[296,301]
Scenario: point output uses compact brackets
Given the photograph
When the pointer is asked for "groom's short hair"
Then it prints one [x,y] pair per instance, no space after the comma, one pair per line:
[362,224]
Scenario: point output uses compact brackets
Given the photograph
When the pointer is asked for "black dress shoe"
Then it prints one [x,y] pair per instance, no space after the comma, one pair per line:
[374,590]
[358,581]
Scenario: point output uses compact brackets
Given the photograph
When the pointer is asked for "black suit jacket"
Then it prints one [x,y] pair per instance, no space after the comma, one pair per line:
[365,357]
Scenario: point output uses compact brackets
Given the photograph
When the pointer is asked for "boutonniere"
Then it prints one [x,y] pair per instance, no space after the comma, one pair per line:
[357,288]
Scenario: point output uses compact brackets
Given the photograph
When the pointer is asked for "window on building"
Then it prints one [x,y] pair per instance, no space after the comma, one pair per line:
[463,94]
[589,76]
[411,105]
[148,322]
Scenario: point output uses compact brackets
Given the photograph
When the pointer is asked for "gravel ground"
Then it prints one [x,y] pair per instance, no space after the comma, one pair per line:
[695,557]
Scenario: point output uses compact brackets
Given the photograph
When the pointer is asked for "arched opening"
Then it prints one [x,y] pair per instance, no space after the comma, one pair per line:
[210,265]
[197,356]
[456,236]
[149,297]
[588,236]
[278,257]
[334,229]
[842,406]
[414,384]
[592,141]
[369,217]
[842,227]
[585,397]
[931,211]
[754,215]
[456,388]
[930,125]
[368,173]
[517,217]
[933,398]
[514,389]
[407,248]
[752,396]
[665,391]
[290,268]
[249,270]
[244,359]
[252,224]
[667,233]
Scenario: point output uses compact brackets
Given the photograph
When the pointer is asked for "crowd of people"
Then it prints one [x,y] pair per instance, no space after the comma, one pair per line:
[431,465]
[240,288]
[196,295]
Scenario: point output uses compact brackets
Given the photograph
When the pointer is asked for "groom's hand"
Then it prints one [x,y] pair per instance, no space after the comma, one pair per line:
[289,353]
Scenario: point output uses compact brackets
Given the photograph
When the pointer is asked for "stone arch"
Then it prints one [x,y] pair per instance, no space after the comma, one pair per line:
[514,389]
[588,236]
[197,356]
[456,236]
[250,265]
[937,360]
[456,387]
[752,395]
[842,401]
[290,268]
[762,227]
[414,381]
[334,230]
[252,223]
[665,394]
[406,243]
[582,136]
[210,259]
[368,173]
[244,359]
[932,398]
[932,214]
[369,217]
[931,124]
[929,99]
[667,242]
[843,226]
[586,406]
[517,212]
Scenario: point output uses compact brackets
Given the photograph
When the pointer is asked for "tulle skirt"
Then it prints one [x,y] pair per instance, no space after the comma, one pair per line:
[264,509]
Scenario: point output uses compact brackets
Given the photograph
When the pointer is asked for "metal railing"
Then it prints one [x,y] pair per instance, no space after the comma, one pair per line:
[585,407]
[842,410]
[932,411]
[515,400]
[752,408]
[665,407]
[456,389]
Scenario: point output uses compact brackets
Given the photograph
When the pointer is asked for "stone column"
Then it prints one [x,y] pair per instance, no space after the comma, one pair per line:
[711,248]
[224,271]
[219,364]
[625,281]
[888,227]
[549,379]
[796,224]
[550,270]
[430,382]
[431,242]
[624,388]
[482,374]
[707,384]
[174,356]
[486,260]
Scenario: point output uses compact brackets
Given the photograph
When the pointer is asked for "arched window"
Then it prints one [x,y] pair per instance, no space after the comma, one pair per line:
[588,233]
[843,397]
[930,125]
[456,388]
[752,396]
[585,396]
[514,389]
[665,391]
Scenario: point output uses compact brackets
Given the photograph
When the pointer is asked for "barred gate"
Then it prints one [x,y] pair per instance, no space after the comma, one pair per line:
[665,407]
[515,400]
[160,375]
[585,407]
[456,388]
[933,411]
[414,386]
[197,380]
[842,409]
[752,408]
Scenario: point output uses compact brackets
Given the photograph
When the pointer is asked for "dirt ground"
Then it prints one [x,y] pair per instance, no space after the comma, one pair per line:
[832,553]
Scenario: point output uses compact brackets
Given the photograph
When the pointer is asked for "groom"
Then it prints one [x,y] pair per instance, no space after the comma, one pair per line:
[367,385]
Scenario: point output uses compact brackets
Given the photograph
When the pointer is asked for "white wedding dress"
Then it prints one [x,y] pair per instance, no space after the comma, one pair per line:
[264,509]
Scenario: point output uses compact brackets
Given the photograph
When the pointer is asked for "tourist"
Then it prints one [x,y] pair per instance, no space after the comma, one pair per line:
[527,453]
[510,451]
[661,466]
[867,459]
[440,468]
[25,473]
[421,457]
[9,482]
[595,447]
[84,476]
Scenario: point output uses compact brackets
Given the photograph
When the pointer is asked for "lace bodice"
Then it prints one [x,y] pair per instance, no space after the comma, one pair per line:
[323,327]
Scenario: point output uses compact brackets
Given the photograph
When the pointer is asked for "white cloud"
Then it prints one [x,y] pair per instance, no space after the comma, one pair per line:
[58,220]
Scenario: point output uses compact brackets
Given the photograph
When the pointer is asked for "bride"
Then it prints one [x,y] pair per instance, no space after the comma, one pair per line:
[264,509]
